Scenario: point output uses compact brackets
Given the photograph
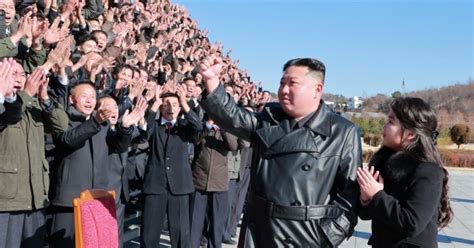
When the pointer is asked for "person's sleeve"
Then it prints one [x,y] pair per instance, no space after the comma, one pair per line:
[228,115]
[231,141]
[56,120]
[120,140]
[31,58]
[124,103]
[58,90]
[193,126]
[7,48]
[12,113]
[421,200]
[345,191]
[93,9]
[76,137]
[151,122]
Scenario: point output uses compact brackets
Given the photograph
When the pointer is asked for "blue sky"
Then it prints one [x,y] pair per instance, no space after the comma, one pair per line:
[368,46]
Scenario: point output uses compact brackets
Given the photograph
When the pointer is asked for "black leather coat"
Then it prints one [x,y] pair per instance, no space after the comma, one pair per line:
[303,189]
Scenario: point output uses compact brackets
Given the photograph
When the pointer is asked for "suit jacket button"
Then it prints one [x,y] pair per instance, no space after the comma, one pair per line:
[306,167]
[167,167]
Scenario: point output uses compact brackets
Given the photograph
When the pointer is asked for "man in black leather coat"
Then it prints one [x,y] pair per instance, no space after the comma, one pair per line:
[303,190]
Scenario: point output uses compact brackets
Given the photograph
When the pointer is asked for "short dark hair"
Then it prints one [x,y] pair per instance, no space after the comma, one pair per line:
[169,94]
[98,31]
[118,68]
[87,37]
[313,65]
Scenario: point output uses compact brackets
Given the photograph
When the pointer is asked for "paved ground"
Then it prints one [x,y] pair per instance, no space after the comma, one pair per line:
[459,234]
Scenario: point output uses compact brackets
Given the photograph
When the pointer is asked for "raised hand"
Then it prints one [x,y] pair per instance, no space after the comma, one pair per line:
[210,69]
[103,114]
[370,183]
[43,90]
[59,56]
[158,100]
[34,81]
[138,112]
[137,89]
[6,76]
[150,90]
[54,33]
[181,91]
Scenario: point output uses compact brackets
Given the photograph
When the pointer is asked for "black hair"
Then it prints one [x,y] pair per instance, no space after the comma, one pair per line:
[313,65]
[87,37]
[417,115]
[118,68]
[99,31]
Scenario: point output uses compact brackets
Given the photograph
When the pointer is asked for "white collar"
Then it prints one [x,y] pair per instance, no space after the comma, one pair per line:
[163,121]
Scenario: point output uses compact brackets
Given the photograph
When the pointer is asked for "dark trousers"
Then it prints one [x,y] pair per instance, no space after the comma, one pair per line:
[62,227]
[213,206]
[230,195]
[22,228]
[239,200]
[154,210]
[120,212]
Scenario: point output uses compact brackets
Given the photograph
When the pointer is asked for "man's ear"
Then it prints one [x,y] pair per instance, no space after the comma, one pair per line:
[318,92]
[71,99]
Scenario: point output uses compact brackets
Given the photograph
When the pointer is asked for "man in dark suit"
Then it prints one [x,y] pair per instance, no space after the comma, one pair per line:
[117,173]
[168,178]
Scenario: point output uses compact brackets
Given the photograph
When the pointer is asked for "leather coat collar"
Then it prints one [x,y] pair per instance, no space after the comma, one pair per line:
[280,138]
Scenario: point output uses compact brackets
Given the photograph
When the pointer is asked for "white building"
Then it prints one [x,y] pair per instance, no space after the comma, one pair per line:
[354,103]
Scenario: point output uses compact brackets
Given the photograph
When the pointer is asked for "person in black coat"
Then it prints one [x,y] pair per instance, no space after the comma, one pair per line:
[82,159]
[117,173]
[404,192]
[168,179]
[303,190]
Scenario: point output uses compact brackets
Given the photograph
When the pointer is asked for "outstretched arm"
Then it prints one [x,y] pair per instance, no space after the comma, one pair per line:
[220,106]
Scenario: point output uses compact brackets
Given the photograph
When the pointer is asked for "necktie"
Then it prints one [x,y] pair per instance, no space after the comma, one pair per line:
[168,125]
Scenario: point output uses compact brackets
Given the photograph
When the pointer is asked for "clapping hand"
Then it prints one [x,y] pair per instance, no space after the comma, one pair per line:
[138,111]
[370,182]
[6,76]
[37,84]
[103,113]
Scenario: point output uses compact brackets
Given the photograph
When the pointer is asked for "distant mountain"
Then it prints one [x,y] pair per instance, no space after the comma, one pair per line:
[454,104]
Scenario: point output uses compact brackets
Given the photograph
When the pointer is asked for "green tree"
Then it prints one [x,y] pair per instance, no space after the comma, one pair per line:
[460,134]
[396,94]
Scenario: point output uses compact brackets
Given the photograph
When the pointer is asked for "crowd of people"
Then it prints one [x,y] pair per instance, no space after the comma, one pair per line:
[99,79]
[133,96]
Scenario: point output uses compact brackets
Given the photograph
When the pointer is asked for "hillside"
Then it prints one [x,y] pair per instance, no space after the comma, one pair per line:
[454,103]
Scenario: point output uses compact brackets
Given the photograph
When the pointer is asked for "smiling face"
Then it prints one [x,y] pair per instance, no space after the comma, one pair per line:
[124,78]
[88,46]
[300,91]
[83,98]
[170,108]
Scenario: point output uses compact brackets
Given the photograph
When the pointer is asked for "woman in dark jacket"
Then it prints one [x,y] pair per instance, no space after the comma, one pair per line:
[404,192]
